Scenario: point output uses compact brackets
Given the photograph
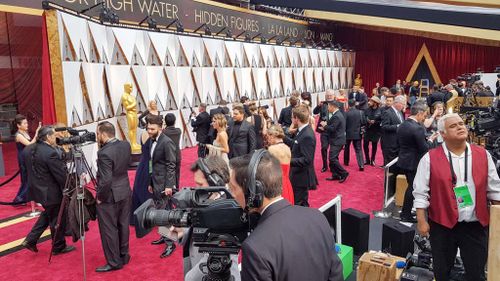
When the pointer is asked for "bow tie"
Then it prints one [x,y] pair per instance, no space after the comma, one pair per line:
[153,140]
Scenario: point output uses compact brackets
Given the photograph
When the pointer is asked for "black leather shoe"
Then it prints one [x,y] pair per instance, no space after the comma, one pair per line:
[160,241]
[64,251]
[372,163]
[333,178]
[126,259]
[344,178]
[324,170]
[168,250]
[107,268]
[361,169]
[367,162]
[30,247]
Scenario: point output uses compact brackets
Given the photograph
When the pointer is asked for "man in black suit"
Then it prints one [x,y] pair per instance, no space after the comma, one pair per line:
[435,96]
[391,119]
[335,126]
[275,250]
[163,171]
[354,120]
[360,98]
[242,139]
[175,135]
[322,110]
[46,181]
[412,146]
[201,126]
[303,145]
[285,119]
[113,197]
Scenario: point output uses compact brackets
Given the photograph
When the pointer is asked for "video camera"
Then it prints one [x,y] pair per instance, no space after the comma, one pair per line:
[219,224]
[77,136]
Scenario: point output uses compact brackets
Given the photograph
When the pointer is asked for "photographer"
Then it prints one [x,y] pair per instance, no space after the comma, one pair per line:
[212,171]
[46,179]
[113,197]
[453,186]
[275,250]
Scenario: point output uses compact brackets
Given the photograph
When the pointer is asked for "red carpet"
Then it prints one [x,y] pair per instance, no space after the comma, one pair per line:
[362,191]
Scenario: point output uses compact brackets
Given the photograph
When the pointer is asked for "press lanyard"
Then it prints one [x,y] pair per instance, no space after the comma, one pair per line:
[453,175]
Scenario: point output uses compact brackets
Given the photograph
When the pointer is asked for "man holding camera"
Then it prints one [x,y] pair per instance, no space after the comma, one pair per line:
[453,186]
[212,171]
[46,179]
[113,197]
[275,250]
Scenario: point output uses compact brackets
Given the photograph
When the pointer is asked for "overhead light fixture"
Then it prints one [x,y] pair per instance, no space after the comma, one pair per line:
[207,29]
[282,41]
[106,15]
[151,22]
[46,5]
[179,27]
[248,38]
[220,31]
[229,34]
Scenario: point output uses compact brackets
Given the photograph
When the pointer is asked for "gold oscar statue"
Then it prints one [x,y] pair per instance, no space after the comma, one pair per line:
[130,105]
[358,81]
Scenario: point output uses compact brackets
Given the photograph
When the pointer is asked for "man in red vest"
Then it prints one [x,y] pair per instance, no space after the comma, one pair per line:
[453,185]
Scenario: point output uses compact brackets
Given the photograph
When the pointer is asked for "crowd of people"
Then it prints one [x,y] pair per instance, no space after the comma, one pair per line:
[231,140]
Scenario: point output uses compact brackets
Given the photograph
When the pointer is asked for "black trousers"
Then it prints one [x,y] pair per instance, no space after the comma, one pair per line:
[366,148]
[389,153]
[202,151]
[471,238]
[408,200]
[335,167]
[357,149]
[324,149]
[49,218]
[301,196]
[113,219]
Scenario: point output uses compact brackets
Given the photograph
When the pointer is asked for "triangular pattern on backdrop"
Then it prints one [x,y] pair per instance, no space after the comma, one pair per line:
[68,51]
[153,57]
[136,57]
[197,78]
[298,77]
[94,56]
[182,59]
[187,137]
[118,76]
[323,58]
[343,77]
[227,59]
[309,79]
[87,112]
[424,59]
[75,118]
[280,59]
[98,39]
[160,103]
[318,79]
[139,74]
[338,58]
[76,28]
[169,61]
[108,105]
[209,101]
[314,57]
[194,61]
[237,62]
[207,61]
[330,55]
[185,86]
[335,78]
[209,84]
[118,57]
[185,103]
[350,71]
[170,74]
[100,113]
[234,53]
[165,45]
[171,103]
[71,79]
[327,77]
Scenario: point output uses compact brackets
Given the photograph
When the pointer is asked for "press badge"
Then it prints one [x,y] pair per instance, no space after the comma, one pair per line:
[464,199]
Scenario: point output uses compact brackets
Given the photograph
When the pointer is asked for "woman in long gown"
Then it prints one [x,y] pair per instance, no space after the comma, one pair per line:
[140,193]
[220,146]
[281,151]
[23,139]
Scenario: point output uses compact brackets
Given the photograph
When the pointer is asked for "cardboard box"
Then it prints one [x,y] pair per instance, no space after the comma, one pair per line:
[401,185]
[494,244]
[376,266]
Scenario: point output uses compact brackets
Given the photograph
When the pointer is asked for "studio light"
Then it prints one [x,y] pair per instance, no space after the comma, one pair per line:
[207,29]
[282,41]
[179,27]
[106,15]
[229,34]
[151,22]
[220,31]
[46,5]
[247,37]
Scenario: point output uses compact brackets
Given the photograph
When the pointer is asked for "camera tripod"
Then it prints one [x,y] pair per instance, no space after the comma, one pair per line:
[75,183]
[219,257]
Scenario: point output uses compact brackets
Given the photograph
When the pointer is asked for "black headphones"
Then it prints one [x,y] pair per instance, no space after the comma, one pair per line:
[254,195]
[213,179]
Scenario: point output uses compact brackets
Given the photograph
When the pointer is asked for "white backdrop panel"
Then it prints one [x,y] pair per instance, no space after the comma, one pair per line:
[74,96]
[298,76]
[293,54]
[287,80]
[244,81]
[234,50]
[95,86]
[78,34]
[327,77]
[318,79]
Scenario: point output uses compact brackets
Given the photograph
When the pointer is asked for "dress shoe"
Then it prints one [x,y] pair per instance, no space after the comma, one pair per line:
[126,259]
[367,162]
[333,178]
[344,178]
[346,164]
[168,250]
[160,241]
[409,219]
[67,249]
[361,169]
[324,170]
[107,268]
[372,163]
[30,247]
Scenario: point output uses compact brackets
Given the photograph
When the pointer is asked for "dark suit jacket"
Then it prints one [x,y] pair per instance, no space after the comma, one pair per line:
[373,130]
[164,164]
[389,125]
[242,141]
[285,119]
[361,98]
[412,144]
[302,174]
[497,93]
[47,183]
[354,120]
[217,110]
[336,129]
[175,135]
[201,126]
[322,110]
[276,250]
[435,97]
[113,159]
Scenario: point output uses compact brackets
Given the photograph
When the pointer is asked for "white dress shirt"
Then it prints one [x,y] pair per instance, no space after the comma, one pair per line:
[153,146]
[466,214]
[272,202]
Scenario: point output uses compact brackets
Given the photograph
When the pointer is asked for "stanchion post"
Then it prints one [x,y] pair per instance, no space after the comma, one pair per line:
[34,212]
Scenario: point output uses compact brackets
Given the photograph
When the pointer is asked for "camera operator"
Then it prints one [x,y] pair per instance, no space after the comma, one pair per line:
[212,171]
[113,197]
[46,180]
[275,250]
[453,185]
